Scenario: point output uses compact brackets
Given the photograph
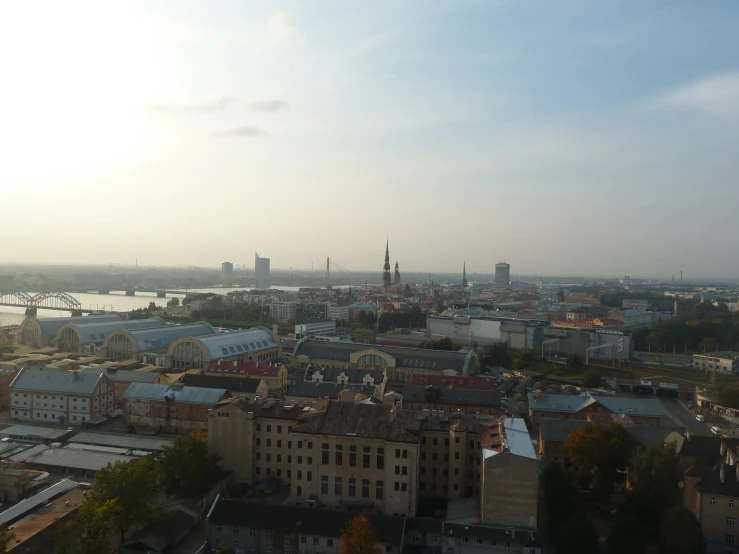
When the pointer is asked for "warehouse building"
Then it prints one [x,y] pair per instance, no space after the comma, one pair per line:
[42,332]
[89,337]
[149,345]
[197,351]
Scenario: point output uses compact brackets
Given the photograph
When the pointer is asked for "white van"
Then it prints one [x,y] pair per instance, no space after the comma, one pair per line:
[700,418]
[715,430]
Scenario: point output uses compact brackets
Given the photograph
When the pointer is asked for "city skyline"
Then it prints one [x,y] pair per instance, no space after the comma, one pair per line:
[580,139]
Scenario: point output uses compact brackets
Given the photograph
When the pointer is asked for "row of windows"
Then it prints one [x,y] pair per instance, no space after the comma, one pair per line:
[279,430]
[352,487]
[713,502]
[46,416]
[435,442]
[457,456]
[434,473]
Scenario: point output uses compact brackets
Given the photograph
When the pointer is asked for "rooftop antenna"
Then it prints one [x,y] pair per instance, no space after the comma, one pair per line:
[327,277]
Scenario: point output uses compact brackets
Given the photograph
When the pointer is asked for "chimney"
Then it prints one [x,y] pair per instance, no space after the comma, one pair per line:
[721,472]
[723,448]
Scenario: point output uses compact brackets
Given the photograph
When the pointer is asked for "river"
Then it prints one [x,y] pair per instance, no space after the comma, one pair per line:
[116,301]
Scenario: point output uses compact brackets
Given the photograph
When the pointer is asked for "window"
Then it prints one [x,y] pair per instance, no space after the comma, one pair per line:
[397,470]
[731,503]
[289,459]
[324,457]
[729,539]
[268,549]
[388,548]
[352,487]
[366,461]
[269,535]
[456,471]
[218,528]
[300,474]
[423,457]
[309,476]
[456,486]
[397,485]
[378,490]
[456,455]
[380,459]
[279,428]
[337,486]
[365,488]
[423,440]
[466,539]
[236,530]
[405,453]
[310,444]
[404,487]
[731,521]
[352,459]
[279,457]
[269,442]
[252,533]
[479,541]
[259,442]
[279,444]
[303,539]
[286,550]
[269,457]
[310,460]
[507,544]
[269,428]
[436,441]
[422,471]
[329,542]
[300,459]
[713,501]
[259,425]
[339,458]
[434,456]
[405,470]
[324,484]
[315,541]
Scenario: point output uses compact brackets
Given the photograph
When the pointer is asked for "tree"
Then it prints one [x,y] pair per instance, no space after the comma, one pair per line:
[578,535]
[358,537]
[656,487]
[95,525]
[627,536]
[134,486]
[728,396]
[680,533]
[592,378]
[708,344]
[599,455]
[574,361]
[174,303]
[187,470]
[6,537]
[152,306]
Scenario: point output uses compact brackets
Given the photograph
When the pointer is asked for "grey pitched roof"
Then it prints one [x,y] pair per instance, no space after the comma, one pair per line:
[164,535]
[95,333]
[405,357]
[567,403]
[632,406]
[461,397]
[55,381]
[50,325]
[307,389]
[124,375]
[558,430]
[225,345]
[159,338]
[188,395]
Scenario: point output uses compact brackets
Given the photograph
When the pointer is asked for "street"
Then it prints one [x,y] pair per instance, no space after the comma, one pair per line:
[683,417]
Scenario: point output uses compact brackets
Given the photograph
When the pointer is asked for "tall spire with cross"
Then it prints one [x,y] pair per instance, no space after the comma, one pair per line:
[464,274]
[386,277]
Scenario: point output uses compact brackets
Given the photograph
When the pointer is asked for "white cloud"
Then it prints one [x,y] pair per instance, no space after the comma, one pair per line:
[282,31]
[717,95]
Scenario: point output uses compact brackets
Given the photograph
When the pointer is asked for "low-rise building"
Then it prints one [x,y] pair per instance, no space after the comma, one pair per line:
[149,345]
[197,352]
[244,526]
[454,382]
[720,362]
[122,378]
[88,337]
[711,491]
[309,391]
[56,396]
[283,312]
[338,313]
[587,407]
[399,363]
[451,400]
[354,377]
[39,332]
[250,388]
[274,374]
[316,328]
[172,408]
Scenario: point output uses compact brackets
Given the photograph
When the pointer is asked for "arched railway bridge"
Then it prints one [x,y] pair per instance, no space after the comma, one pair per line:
[42,301]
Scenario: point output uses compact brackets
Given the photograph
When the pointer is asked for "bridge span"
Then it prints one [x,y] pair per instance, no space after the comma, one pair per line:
[42,301]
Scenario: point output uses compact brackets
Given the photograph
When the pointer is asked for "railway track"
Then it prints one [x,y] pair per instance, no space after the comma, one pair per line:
[669,374]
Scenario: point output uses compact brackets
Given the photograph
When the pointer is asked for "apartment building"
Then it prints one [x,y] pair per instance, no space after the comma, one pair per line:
[274,374]
[173,408]
[363,457]
[283,312]
[468,401]
[53,395]
[355,377]
[711,490]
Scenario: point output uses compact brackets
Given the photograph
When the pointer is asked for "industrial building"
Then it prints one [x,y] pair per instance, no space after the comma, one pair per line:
[37,332]
[197,351]
[150,345]
[89,337]
[261,272]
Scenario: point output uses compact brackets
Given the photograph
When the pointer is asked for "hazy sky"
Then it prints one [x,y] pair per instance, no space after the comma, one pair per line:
[566,137]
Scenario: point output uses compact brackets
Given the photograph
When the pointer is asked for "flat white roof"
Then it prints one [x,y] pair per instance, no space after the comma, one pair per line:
[32,431]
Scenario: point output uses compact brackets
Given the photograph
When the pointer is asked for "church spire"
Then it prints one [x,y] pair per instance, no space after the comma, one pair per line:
[386,278]
[464,274]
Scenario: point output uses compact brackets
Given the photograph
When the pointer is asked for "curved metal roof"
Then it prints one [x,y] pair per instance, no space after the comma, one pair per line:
[50,326]
[159,338]
[238,343]
[96,332]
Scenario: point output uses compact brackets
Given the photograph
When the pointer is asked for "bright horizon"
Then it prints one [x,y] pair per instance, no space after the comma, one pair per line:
[572,138]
